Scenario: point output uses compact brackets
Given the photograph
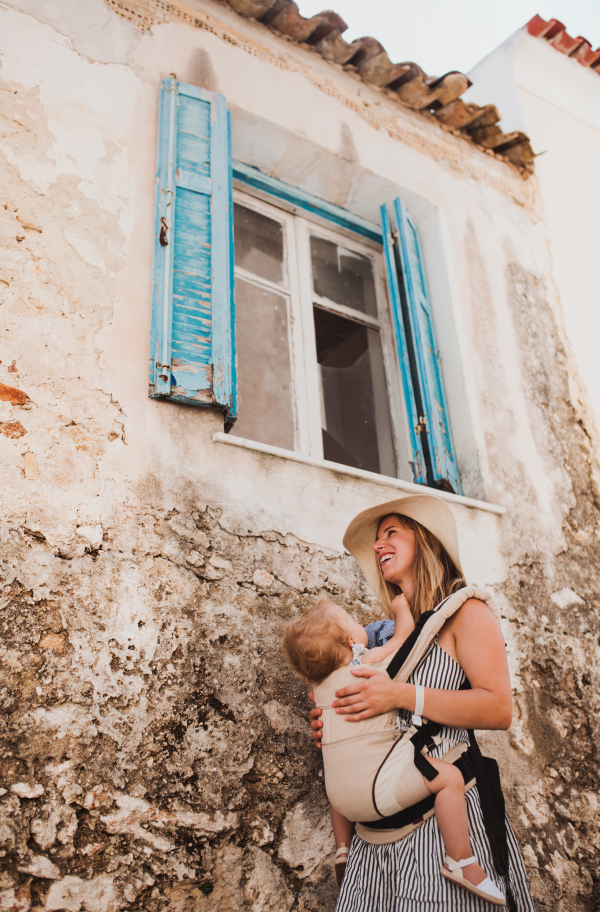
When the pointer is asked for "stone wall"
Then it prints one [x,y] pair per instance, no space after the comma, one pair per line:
[155,745]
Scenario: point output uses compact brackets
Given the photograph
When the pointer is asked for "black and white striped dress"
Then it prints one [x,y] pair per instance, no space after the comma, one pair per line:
[405,876]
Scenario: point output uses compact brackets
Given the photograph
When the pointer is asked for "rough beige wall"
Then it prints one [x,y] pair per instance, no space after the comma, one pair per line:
[153,746]
[550,600]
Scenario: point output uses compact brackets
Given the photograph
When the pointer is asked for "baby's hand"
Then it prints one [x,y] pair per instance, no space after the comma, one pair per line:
[401,608]
[405,623]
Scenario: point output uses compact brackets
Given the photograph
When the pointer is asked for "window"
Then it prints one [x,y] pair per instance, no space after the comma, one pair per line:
[335,333]
[313,340]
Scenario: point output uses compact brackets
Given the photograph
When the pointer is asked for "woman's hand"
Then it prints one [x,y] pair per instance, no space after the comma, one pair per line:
[315,723]
[373,694]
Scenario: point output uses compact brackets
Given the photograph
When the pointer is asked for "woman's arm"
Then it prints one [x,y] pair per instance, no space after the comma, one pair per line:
[481,653]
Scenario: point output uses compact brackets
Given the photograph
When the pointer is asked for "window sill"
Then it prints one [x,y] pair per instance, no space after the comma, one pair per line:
[373,477]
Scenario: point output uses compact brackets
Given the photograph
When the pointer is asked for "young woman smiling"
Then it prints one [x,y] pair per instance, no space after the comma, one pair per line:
[410,547]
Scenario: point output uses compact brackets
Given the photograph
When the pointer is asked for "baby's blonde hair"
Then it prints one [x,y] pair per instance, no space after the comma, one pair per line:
[316,644]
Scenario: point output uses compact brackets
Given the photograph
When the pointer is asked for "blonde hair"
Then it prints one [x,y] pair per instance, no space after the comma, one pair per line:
[316,644]
[435,575]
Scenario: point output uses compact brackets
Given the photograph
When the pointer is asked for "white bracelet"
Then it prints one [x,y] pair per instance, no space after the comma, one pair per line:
[419,705]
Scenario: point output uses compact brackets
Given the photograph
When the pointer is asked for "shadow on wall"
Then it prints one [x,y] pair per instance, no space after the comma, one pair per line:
[200,71]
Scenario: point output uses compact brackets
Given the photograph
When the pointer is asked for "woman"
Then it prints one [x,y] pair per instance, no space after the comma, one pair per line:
[410,546]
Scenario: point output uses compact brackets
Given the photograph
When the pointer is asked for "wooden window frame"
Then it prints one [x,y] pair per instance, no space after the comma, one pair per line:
[298,226]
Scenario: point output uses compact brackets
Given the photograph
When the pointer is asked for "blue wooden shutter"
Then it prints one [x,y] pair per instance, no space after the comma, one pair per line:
[393,269]
[444,468]
[192,356]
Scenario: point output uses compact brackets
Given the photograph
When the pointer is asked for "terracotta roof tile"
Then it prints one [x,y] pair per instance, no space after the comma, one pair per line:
[555,33]
[439,96]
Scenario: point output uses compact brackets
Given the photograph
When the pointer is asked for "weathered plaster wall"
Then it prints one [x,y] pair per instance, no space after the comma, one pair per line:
[557,102]
[154,747]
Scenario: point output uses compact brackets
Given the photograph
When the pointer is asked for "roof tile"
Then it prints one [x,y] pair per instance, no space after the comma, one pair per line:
[367,57]
[555,33]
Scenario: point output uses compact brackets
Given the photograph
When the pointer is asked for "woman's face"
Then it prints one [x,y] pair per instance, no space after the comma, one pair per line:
[395,549]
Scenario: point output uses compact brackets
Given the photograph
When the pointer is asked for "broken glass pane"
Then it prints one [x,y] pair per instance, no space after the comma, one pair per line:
[264,369]
[355,415]
[342,276]
[258,244]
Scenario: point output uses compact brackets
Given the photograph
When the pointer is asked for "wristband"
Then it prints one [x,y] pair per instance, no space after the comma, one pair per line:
[419,705]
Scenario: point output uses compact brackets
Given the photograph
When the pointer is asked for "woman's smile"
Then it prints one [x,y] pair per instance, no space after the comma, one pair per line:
[386,560]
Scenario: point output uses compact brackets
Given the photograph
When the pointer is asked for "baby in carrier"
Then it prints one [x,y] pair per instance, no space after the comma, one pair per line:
[372,769]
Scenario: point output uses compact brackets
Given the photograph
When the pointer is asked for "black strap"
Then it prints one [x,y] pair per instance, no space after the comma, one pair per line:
[406,648]
[416,812]
[424,738]
[493,809]
[471,762]
[486,773]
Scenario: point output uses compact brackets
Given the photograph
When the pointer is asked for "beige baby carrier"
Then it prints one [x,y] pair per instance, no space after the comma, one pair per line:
[372,770]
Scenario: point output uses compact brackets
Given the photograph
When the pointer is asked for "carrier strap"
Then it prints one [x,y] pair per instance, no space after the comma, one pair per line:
[407,657]
[486,770]
[493,809]
[424,738]
[416,812]
[404,651]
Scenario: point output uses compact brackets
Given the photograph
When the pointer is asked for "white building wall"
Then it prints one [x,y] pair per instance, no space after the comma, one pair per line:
[556,101]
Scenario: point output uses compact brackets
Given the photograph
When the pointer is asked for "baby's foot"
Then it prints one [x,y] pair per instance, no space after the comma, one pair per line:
[339,863]
[466,873]
[474,873]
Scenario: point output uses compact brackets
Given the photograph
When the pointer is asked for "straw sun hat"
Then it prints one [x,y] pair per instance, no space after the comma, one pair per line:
[432,512]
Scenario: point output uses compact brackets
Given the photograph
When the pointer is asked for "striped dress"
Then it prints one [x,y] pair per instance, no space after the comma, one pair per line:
[405,876]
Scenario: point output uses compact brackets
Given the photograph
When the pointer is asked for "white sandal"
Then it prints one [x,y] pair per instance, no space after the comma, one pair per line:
[340,860]
[487,889]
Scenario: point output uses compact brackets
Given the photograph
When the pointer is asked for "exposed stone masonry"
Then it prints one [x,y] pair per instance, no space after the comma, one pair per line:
[155,745]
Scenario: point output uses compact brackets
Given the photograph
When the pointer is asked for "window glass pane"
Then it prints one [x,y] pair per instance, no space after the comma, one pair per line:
[355,415]
[264,370]
[258,243]
[343,276]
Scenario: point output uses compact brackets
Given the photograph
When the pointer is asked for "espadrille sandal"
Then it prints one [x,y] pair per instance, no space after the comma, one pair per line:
[339,863]
[485,890]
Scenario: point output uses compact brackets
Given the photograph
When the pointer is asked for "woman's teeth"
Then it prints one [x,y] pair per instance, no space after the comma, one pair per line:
[385,558]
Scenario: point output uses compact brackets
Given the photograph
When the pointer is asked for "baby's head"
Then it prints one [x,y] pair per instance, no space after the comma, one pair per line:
[321,640]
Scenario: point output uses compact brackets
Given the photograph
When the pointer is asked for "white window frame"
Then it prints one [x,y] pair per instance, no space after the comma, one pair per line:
[298,289]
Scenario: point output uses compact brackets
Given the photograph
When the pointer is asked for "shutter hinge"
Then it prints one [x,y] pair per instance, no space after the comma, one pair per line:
[163,372]
[421,427]
[395,236]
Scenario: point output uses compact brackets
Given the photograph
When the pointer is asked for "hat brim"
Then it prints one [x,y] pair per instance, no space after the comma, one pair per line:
[432,512]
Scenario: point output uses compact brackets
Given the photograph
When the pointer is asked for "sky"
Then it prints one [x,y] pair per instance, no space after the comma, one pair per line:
[443,35]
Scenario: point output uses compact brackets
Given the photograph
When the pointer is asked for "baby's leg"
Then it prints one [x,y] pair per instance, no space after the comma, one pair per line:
[451,815]
[343,830]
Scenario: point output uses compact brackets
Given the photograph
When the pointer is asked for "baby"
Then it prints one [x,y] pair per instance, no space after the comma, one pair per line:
[323,640]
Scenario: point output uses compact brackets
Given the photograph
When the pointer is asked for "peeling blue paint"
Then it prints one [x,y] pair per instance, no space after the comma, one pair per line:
[429,369]
[192,293]
[306,202]
[392,272]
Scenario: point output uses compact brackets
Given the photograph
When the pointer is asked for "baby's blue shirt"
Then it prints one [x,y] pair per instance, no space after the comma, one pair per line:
[379,632]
